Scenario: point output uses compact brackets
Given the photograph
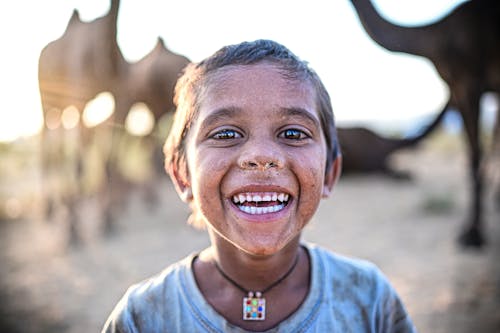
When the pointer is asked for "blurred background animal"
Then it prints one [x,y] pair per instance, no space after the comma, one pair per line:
[148,85]
[465,49]
[74,71]
[365,151]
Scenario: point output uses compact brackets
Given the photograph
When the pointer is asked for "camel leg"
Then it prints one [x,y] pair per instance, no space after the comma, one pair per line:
[156,159]
[50,153]
[113,186]
[46,159]
[472,235]
[73,193]
[496,154]
[108,193]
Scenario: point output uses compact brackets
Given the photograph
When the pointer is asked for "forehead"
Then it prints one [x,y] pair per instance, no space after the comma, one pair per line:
[255,86]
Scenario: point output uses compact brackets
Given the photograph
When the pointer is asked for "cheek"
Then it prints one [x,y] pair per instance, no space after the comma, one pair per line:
[313,189]
[312,174]
[312,168]
[207,173]
[211,164]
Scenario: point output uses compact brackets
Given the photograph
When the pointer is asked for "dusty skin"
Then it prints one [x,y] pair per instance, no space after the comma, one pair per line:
[407,228]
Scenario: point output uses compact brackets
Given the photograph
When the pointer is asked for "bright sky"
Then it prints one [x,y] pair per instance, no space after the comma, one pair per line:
[365,82]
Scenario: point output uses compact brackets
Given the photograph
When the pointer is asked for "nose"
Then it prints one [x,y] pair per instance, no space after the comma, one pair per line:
[261,156]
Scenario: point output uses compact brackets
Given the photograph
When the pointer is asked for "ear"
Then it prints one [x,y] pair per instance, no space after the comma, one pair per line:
[182,184]
[332,176]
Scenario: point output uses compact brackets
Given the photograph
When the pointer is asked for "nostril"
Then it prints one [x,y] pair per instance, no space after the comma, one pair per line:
[255,164]
[248,165]
[270,165]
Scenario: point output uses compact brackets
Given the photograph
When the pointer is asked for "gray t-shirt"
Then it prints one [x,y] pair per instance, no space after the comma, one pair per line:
[346,295]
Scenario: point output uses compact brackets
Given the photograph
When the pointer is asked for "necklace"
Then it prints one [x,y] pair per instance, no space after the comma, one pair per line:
[254,305]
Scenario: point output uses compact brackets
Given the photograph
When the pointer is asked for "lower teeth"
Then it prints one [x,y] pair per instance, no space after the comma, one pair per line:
[261,210]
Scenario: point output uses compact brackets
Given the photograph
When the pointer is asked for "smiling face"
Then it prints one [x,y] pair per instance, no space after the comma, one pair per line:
[256,157]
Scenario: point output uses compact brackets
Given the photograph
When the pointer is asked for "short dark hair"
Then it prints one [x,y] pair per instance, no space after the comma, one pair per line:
[196,76]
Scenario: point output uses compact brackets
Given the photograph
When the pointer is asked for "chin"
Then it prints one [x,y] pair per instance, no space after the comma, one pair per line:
[262,247]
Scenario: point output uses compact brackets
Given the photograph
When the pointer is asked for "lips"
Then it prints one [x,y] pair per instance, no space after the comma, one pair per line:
[259,203]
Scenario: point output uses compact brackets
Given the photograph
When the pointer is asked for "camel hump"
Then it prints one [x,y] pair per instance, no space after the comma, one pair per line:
[75,16]
[160,42]
[160,45]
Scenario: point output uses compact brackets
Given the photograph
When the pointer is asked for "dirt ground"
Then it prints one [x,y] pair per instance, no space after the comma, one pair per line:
[408,228]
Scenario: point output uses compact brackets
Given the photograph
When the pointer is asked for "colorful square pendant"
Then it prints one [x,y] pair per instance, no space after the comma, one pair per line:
[254,308]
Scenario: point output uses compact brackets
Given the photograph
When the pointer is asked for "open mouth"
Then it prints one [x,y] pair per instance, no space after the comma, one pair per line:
[261,203]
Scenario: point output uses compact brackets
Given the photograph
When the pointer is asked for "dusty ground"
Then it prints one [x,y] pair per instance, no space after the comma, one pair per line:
[407,228]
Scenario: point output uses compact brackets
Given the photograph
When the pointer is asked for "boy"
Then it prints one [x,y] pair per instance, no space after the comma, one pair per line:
[252,150]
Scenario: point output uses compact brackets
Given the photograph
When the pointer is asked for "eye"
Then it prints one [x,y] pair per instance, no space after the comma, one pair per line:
[226,134]
[293,134]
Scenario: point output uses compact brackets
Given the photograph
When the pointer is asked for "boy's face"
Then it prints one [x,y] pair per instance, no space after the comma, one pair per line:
[256,158]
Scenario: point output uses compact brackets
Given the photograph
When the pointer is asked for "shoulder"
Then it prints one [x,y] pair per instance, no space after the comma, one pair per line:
[348,279]
[358,288]
[342,267]
[161,283]
[145,305]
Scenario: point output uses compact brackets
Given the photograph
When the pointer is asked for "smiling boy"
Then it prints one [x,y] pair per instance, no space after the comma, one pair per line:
[252,150]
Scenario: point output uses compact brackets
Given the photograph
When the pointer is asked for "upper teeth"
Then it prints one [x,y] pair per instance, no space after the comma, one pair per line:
[270,196]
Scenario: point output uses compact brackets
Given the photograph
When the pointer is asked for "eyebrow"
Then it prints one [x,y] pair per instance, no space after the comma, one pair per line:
[299,112]
[223,113]
[232,112]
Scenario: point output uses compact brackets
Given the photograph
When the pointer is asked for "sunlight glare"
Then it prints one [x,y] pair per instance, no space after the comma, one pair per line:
[53,118]
[70,117]
[489,105]
[489,102]
[99,109]
[140,120]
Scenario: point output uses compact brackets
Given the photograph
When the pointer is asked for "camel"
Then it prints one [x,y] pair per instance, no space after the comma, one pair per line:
[464,47]
[72,70]
[151,81]
[85,61]
[364,151]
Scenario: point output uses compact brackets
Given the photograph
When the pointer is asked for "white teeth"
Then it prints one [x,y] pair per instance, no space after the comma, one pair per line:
[257,198]
[261,210]
[242,198]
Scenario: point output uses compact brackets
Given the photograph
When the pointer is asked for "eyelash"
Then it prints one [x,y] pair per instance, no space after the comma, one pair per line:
[226,134]
[296,133]
[290,134]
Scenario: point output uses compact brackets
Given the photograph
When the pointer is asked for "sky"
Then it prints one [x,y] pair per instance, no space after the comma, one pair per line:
[367,84]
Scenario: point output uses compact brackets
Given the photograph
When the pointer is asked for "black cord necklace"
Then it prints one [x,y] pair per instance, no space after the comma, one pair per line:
[254,305]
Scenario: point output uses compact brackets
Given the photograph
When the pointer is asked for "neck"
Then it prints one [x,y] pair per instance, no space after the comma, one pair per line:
[254,272]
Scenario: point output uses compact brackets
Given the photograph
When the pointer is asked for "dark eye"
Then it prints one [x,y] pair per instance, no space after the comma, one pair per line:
[226,134]
[293,134]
